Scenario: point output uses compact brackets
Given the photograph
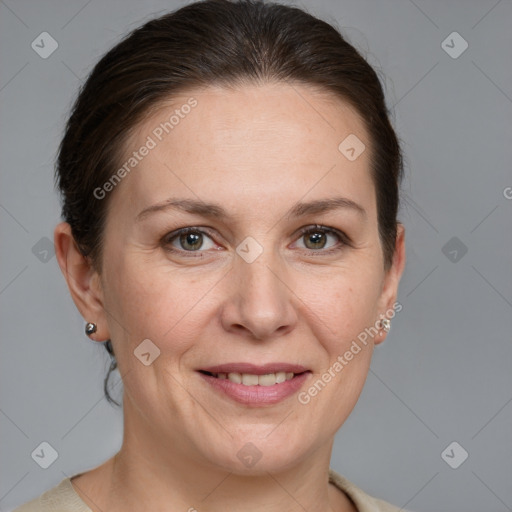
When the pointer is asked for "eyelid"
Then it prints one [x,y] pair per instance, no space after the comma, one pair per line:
[319,227]
[343,238]
[168,237]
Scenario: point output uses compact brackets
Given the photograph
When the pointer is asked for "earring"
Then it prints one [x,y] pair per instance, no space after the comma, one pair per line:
[90,328]
[385,324]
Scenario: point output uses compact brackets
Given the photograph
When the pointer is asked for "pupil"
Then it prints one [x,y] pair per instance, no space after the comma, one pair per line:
[192,239]
[316,238]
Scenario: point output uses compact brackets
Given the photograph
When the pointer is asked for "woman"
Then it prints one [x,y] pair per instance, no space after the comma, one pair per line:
[230,188]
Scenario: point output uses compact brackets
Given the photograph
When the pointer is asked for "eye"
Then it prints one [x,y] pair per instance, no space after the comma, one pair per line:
[315,238]
[189,239]
[192,240]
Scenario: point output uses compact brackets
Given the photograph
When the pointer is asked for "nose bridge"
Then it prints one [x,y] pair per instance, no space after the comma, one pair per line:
[262,298]
[261,276]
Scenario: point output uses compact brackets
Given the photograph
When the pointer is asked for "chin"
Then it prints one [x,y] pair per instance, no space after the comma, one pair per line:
[258,452]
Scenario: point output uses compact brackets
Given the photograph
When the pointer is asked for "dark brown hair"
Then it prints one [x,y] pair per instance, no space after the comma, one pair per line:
[219,42]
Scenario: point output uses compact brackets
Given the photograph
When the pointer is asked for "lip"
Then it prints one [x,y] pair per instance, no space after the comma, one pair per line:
[255,369]
[255,396]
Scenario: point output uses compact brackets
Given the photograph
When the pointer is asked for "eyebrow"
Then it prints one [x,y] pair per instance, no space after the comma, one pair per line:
[213,210]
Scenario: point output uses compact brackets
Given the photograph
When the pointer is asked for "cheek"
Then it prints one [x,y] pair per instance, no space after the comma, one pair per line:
[344,303]
[153,302]
[344,316]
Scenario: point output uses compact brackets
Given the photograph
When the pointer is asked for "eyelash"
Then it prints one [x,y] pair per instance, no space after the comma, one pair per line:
[342,238]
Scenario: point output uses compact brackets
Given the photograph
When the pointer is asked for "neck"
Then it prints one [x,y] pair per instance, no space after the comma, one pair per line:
[168,477]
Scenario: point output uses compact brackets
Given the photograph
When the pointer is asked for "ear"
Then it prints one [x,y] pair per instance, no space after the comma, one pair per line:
[83,281]
[391,280]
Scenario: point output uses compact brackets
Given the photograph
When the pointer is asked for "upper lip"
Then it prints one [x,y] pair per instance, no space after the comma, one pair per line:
[255,369]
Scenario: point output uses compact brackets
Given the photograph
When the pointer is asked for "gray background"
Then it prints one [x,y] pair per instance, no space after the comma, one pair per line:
[443,374]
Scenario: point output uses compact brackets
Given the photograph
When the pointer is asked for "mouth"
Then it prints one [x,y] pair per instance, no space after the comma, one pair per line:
[255,385]
[252,379]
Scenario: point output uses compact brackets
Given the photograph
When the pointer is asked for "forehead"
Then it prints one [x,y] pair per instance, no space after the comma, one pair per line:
[271,140]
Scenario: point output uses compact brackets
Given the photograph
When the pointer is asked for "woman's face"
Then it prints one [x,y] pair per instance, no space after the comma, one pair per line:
[250,168]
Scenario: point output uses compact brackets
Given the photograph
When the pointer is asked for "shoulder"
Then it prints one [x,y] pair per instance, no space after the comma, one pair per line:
[61,498]
[364,502]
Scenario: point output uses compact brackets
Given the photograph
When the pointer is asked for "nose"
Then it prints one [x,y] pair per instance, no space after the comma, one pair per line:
[261,300]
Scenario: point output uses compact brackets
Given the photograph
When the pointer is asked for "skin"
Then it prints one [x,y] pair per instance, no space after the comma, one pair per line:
[255,150]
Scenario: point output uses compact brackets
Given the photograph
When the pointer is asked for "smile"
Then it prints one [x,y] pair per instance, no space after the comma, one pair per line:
[250,379]
[255,385]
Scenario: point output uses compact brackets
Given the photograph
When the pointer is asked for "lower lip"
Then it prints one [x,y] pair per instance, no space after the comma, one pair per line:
[257,395]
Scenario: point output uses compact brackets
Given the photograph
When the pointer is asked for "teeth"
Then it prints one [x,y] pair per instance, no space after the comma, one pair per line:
[267,380]
[235,377]
[281,377]
[248,379]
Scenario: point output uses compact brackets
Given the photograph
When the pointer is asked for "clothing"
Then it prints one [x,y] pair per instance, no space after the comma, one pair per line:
[63,498]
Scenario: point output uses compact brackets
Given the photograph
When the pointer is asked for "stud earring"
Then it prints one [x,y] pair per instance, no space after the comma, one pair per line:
[385,324]
[90,328]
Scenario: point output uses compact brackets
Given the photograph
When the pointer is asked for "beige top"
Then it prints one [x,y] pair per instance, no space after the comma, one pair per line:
[63,498]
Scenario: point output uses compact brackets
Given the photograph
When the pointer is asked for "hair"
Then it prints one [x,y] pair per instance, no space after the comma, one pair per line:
[213,42]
